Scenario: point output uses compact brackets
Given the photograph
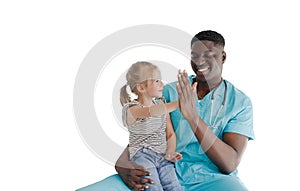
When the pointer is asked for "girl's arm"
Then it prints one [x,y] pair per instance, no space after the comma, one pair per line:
[171,153]
[136,112]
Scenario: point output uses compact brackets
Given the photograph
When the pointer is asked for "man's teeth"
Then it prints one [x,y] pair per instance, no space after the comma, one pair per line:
[203,69]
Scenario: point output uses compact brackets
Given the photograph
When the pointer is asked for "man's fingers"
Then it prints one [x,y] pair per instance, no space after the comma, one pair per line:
[188,87]
[186,79]
[140,183]
[180,96]
[192,90]
[138,187]
[139,172]
[139,176]
[138,167]
[182,88]
[184,84]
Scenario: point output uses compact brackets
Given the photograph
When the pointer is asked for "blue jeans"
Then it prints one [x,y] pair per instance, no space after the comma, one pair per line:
[162,171]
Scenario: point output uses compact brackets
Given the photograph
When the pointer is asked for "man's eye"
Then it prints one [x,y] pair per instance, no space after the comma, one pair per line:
[207,55]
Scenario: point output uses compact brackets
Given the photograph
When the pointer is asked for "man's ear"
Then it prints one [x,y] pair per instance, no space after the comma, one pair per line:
[223,57]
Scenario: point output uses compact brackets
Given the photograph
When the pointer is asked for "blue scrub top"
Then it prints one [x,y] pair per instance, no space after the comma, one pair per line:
[195,171]
[236,116]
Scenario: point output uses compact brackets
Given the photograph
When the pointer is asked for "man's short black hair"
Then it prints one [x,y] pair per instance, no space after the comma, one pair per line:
[210,35]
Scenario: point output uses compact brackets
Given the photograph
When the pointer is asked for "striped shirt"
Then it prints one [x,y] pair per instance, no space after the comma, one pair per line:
[147,132]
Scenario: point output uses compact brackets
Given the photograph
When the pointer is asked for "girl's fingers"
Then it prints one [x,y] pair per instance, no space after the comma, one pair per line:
[194,89]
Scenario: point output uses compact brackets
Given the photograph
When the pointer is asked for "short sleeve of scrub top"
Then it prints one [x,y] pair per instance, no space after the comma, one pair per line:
[242,122]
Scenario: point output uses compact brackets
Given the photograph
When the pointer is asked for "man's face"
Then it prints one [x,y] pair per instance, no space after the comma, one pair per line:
[207,60]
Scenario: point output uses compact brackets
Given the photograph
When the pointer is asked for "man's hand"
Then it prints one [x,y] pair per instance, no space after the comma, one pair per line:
[131,173]
[133,176]
[187,95]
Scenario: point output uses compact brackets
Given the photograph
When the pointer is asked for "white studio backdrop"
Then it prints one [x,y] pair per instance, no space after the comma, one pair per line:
[42,45]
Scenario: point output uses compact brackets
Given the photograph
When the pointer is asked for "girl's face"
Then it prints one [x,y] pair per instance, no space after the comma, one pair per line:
[154,85]
[154,88]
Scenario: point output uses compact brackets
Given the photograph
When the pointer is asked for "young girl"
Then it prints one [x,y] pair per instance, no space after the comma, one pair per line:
[152,140]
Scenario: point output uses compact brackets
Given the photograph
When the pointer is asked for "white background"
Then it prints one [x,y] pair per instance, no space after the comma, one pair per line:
[42,45]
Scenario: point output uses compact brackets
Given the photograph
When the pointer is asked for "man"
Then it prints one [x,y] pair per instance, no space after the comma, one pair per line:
[213,125]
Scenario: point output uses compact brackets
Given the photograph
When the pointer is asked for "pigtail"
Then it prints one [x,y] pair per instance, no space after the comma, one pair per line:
[124,96]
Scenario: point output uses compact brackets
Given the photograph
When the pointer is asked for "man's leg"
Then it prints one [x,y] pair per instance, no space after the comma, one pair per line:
[111,183]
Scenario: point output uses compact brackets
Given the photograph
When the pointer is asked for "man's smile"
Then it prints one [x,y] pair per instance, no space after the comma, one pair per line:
[204,68]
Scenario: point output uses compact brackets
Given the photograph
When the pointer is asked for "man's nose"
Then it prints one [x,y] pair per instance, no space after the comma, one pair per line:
[199,60]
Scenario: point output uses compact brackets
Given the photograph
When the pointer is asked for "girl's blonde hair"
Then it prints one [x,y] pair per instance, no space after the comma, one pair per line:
[139,72]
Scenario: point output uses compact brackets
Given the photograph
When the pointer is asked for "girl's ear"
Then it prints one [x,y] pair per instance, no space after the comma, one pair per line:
[140,88]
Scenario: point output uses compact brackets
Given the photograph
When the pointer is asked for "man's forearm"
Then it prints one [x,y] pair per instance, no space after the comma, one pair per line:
[220,153]
[123,160]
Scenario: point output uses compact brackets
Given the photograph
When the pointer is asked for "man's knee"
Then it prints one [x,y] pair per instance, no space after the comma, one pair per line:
[231,183]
